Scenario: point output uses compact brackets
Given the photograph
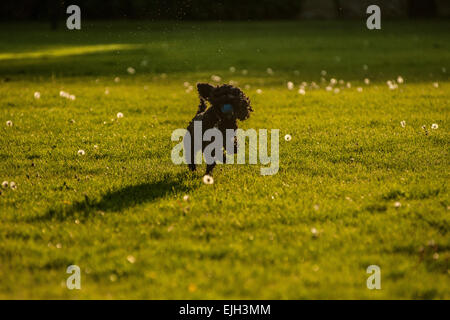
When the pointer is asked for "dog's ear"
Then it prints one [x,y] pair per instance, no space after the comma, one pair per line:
[205,90]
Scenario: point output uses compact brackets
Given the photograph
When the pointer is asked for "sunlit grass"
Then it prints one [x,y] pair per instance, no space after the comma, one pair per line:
[310,231]
[66,51]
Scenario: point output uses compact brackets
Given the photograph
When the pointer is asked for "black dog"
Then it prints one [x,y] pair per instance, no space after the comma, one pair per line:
[228,104]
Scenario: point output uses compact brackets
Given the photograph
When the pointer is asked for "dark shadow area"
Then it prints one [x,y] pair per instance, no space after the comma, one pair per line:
[118,200]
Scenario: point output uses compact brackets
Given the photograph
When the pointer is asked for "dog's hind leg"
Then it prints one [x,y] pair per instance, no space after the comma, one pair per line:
[201,106]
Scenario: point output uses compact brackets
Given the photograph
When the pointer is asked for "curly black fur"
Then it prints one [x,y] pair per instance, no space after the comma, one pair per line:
[214,116]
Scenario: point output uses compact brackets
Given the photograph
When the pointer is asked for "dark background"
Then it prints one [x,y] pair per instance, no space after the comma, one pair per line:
[54,10]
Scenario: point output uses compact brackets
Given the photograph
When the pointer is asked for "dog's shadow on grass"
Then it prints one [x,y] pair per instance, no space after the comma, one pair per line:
[118,200]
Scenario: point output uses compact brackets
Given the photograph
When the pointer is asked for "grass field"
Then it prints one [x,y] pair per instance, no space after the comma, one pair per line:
[355,188]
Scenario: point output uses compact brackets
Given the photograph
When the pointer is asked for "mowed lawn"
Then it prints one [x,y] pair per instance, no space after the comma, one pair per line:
[355,187]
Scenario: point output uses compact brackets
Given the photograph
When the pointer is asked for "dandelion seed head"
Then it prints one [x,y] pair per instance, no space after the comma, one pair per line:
[131,259]
[119,115]
[400,79]
[232,69]
[436,84]
[359,89]
[207,179]
[367,81]
[397,204]
[323,73]
[186,197]
[81,152]
[288,137]
[216,78]
[290,85]
[258,91]
[403,123]
[13,185]
[302,91]
[9,123]
[434,126]
[116,79]
[269,71]
[5,184]
[37,95]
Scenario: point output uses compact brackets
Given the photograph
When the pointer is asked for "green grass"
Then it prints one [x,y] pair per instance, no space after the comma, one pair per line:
[247,235]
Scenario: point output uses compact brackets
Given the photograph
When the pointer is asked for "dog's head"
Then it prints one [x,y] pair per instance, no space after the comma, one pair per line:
[229,101]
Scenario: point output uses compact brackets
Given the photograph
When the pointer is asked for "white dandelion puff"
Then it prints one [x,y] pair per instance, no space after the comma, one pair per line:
[37,95]
[323,73]
[349,85]
[119,115]
[81,152]
[333,81]
[434,126]
[367,81]
[5,184]
[186,84]
[13,185]
[436,84]
[131,70]
[359,89]
[216,78]
[116,79]
[131,259]
[72,97]
[328,88]
[337,90]
[403,123]
[106,91]
[232,69]
[302,91]
[290,85]
[314,231]
[400,79]
[258,91]
[288,137]
[9,123]
[186,197]
[207,179]
[397,204]
[247,86]
[269,71]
